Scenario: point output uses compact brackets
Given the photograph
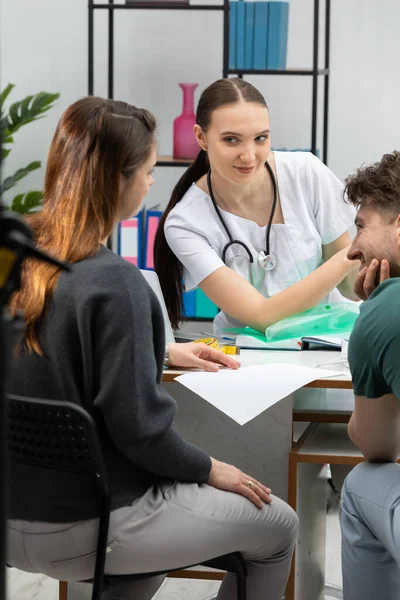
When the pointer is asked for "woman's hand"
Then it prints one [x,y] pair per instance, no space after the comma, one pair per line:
[229,478]
[346,286]
[370,277]
[199,356]
[342,256]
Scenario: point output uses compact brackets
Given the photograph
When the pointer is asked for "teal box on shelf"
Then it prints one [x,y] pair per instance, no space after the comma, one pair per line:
[232,34]
[249,35]
[196,305]
[278,21]
[240,32]
[260,35]
[205,309]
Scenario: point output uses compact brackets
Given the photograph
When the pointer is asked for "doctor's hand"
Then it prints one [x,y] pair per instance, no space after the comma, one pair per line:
[370,277]
[199,356]
[229,478]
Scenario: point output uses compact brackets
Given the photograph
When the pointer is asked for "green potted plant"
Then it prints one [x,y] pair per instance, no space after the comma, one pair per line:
[12,119]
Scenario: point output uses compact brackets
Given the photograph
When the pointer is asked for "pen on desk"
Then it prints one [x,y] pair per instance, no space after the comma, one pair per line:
[221,337]
[268,349]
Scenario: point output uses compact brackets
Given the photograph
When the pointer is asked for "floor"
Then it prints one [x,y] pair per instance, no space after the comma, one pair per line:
[24,586]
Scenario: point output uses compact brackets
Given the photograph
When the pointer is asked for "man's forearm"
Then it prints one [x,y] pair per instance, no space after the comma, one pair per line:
[383,452]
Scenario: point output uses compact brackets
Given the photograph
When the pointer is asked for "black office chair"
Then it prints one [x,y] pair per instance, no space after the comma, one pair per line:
[63,436]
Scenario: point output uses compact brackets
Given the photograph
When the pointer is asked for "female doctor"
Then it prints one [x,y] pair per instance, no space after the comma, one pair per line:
[264,234]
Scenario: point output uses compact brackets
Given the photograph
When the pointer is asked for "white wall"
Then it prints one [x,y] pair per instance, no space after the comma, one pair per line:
[44,47]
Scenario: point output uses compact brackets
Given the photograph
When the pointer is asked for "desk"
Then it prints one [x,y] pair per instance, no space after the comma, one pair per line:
[259,448]
[305,358]
[328,409]
[262,448]
[250,446]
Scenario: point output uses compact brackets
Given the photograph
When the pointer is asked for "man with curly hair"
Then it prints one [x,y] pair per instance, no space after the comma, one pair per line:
[371,495]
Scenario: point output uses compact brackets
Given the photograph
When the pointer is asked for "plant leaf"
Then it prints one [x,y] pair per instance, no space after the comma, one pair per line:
[4,153]
[42,101]
[17,201]
[27,110]
[4,94]
[9,182]
[26,203]
[25,106]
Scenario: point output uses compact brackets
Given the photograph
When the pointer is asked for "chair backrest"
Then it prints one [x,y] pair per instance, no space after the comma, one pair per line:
[54,434]
[62,436]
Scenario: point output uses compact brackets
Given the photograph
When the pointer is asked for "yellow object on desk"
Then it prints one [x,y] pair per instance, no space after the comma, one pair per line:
[212,342]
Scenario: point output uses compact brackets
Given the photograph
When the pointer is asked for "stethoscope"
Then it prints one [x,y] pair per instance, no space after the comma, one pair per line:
[266,260]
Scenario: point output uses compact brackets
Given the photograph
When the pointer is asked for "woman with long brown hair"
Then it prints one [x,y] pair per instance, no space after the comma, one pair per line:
[264,234]
[96,337]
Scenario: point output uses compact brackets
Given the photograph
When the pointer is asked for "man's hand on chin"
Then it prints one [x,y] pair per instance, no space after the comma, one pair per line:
[370,277]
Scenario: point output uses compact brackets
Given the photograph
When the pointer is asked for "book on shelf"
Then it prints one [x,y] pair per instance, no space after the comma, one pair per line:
[130,239]
[278,20]
[152,220]
[232,34]
[260,35]
[249,35]
[240,33]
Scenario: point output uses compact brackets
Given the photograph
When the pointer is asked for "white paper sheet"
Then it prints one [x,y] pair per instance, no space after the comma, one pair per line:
[247,392]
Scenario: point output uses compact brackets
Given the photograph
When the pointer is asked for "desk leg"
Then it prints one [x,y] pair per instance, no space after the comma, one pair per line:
[309,571]
[62,590]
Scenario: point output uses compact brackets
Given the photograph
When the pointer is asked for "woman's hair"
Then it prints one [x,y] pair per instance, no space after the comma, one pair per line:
[169,269]
[377,186]
[95,142]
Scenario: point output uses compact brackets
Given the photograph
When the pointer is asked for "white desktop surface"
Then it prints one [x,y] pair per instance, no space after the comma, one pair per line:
[330,396]
[306,358]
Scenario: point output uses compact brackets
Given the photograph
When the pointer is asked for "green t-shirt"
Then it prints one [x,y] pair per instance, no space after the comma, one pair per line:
[374,346]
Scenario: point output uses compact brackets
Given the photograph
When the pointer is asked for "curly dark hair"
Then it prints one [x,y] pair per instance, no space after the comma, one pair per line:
[377,185]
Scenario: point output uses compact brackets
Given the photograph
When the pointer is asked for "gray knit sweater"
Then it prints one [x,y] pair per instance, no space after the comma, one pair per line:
[103,340]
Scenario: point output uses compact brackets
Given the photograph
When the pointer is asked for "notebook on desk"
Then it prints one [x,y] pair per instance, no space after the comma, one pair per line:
[250,342]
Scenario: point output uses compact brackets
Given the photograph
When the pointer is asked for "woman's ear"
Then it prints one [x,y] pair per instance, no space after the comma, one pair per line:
[200,137]
[122,184]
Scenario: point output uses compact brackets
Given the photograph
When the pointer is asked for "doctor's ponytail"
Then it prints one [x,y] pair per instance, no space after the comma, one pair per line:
[168,267]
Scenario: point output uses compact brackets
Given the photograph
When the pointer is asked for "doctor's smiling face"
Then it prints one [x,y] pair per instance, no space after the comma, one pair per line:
[237,140]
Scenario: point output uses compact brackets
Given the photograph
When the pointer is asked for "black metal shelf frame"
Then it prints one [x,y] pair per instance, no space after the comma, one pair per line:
[158,6]
[277,72]
[315,73]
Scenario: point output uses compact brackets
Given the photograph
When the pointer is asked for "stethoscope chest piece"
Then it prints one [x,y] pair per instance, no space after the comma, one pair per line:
[266,261]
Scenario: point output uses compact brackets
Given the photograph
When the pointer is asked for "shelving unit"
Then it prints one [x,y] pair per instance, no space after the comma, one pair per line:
[315,73]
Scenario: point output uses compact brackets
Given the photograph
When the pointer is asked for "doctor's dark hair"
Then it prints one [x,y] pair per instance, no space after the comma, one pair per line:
[95,142]
[377,186]
[168,267]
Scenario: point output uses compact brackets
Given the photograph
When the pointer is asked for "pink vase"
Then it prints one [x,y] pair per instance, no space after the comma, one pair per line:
[185,145]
